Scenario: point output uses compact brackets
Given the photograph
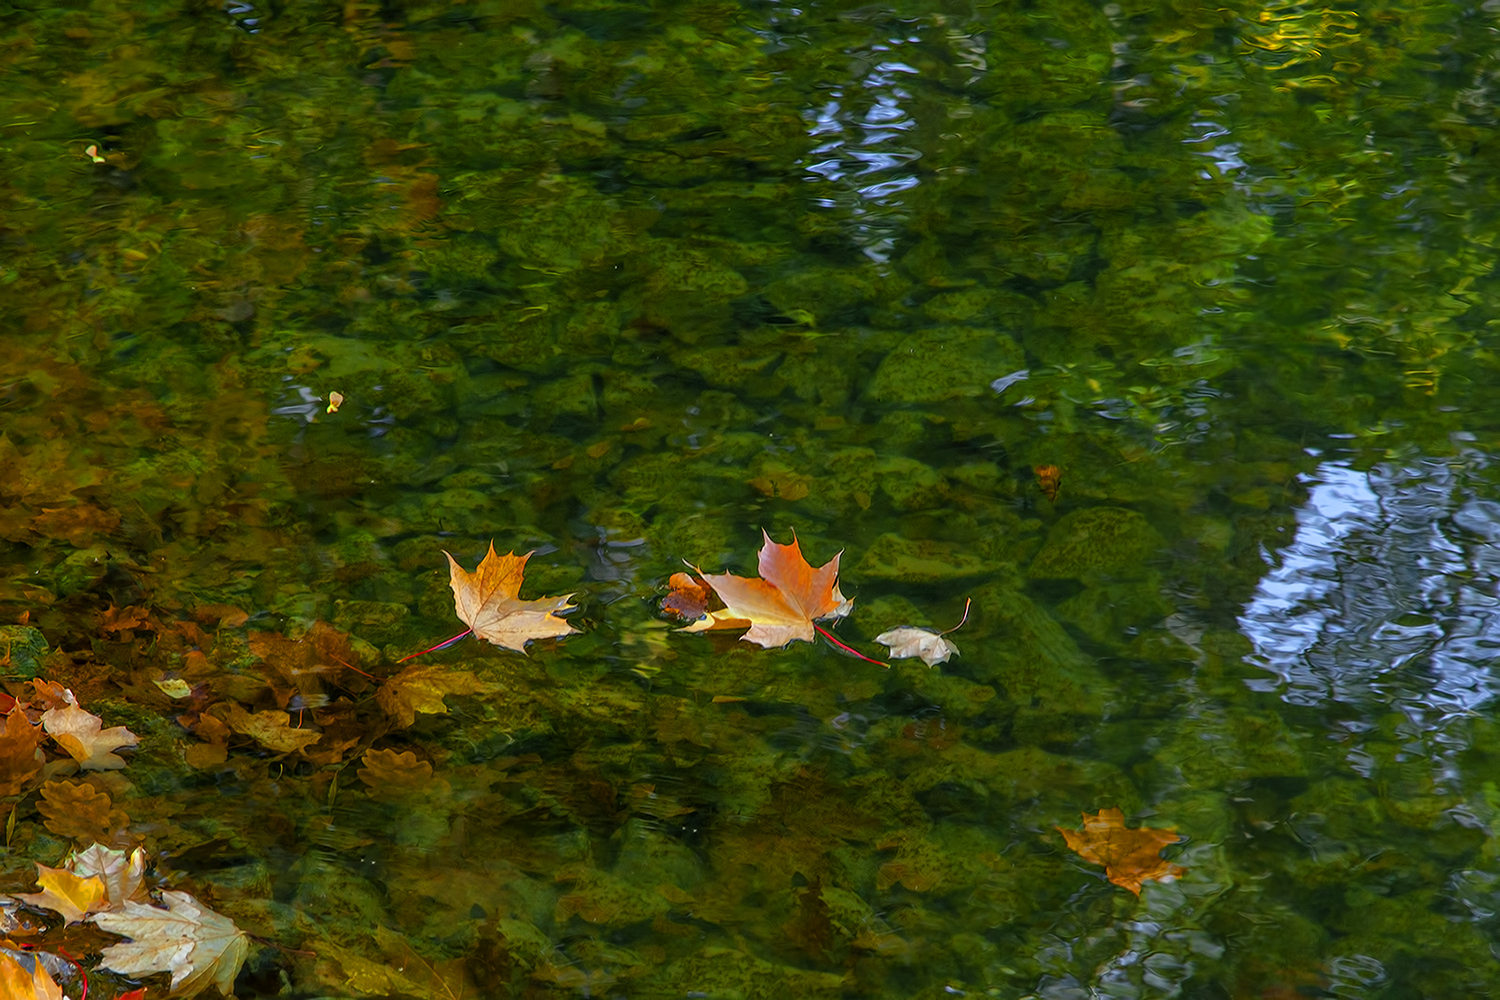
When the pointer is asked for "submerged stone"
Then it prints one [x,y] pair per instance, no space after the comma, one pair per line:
[892,557]
[1097,541]
[945,363]
[21,651]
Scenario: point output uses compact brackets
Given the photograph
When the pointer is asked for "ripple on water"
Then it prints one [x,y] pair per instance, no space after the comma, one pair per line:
[1387,598]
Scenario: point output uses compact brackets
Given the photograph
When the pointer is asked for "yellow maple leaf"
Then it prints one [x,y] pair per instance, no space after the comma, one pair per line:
[82,735]
[195,944]
[422,689]
[73,896]
[486,600]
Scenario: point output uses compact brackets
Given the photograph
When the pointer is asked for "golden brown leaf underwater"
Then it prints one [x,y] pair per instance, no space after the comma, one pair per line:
[1049,480]
[782,605]
[486,600]
[1129,856]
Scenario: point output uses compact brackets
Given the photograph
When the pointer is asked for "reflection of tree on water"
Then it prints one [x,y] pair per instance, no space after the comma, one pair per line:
[1388,596]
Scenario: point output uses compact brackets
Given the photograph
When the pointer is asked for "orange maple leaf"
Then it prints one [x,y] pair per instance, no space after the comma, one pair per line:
[82,735]
[19,983]
[1129,857]
[780,606]
[486,601]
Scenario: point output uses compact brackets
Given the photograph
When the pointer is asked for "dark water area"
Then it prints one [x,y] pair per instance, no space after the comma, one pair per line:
[628,284]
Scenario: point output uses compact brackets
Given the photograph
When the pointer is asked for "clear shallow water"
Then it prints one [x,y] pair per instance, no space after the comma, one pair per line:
[626,284]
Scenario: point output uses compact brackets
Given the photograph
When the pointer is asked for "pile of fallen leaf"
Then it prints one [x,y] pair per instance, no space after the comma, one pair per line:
[310,704]
[174,934]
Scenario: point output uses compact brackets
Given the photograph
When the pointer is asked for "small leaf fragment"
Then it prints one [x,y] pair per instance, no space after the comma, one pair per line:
[18,984]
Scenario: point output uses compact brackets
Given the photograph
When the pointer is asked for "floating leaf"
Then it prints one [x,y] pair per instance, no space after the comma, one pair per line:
[18,984]
[931,647]
[80,733]
[486,601]
[195,944]
[688,599]
[122,873]
[73,896]
[1129,857]
[781,606]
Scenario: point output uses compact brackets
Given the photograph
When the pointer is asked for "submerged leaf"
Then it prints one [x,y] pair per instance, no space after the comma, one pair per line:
[80,811]
[272,730]
[486,601]
[1129,857]
[20,759]
[422,689]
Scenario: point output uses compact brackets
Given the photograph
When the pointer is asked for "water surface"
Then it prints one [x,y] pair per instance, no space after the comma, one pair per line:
[628,283]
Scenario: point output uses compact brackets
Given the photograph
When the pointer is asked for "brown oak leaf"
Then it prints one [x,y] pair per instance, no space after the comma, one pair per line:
[392,774]
[486,600]
[1129,857]
[81,812]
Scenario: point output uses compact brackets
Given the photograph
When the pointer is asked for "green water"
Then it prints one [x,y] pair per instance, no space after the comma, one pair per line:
[627,283]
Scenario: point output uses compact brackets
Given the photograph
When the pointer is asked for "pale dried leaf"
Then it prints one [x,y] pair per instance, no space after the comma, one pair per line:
[195,944]
[928,646]
[80,733]
[123,873]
